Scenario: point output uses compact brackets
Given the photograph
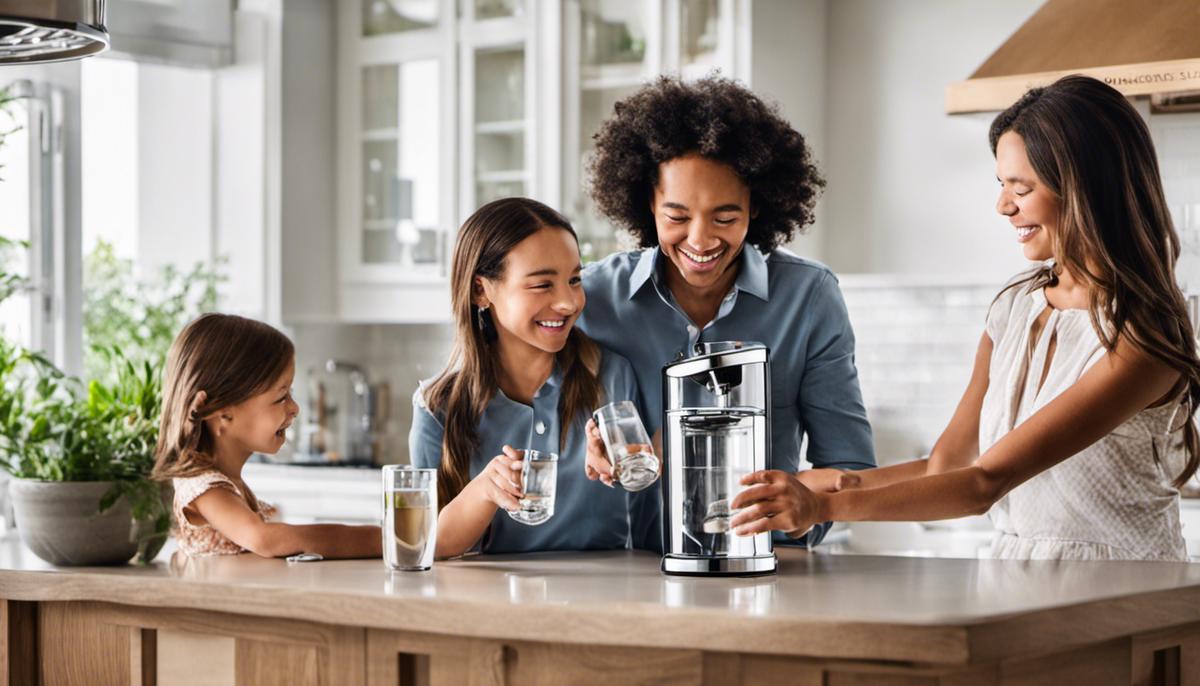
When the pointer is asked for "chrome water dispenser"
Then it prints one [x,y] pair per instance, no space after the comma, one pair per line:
[717,429]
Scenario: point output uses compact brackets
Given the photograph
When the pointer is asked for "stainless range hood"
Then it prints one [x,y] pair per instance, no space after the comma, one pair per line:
[1139,48]
[51,30]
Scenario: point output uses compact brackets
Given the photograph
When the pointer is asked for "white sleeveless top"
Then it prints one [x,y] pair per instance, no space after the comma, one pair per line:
[1110,501]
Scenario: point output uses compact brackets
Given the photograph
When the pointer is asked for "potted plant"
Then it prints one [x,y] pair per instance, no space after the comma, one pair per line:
[81,457]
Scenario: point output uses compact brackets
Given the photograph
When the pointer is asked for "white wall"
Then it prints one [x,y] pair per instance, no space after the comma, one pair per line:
[788,67]
[174,167]
[241,178]
[309,161]
[911,189]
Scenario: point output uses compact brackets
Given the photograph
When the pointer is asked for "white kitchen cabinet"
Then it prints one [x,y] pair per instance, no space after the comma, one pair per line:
[611,48]
[396,115]
[444,106]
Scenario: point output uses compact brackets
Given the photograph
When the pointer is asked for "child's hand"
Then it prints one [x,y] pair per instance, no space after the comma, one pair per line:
[597,465]
[500,480]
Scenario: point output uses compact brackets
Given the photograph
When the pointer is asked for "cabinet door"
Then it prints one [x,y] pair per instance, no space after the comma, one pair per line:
[613,47]
[496,105]
[395,120]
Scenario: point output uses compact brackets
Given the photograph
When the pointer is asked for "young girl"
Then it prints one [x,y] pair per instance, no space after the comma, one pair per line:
[1070,429]
[227,395]
[520,376]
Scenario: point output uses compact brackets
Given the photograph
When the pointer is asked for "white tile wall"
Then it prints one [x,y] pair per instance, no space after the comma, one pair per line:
[1177,139]
[400,355]
[916,344]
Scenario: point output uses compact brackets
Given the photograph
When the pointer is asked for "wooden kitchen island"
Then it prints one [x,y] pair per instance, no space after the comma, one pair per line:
[607,618]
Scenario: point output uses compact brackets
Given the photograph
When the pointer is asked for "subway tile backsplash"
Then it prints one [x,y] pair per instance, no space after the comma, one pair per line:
[916,344]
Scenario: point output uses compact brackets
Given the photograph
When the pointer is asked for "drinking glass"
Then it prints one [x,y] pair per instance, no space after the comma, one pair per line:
[409,517]
[629,449]
[539,479]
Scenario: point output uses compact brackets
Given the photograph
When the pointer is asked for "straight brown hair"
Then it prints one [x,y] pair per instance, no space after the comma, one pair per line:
[462,391]
[1115,234]
[231,359]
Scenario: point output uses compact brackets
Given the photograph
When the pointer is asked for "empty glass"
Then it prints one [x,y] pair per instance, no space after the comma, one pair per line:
[539,479]
[409,517]
[629,448]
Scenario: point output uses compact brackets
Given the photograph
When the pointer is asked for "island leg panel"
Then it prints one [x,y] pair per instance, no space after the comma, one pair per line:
[19,662]
[455,660]
[93,644]
[1171,656]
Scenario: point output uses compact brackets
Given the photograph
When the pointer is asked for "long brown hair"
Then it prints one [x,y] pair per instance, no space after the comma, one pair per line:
[464,388]
[231,359]
[1115,234]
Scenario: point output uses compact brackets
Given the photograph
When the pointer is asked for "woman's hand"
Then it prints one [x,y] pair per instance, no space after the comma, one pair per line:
[597,465]
[500,480]
[828,480]
[774,500]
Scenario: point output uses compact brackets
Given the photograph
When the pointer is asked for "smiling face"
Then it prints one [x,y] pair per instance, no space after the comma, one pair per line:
[540,295]
[258,425]
[702,213]
[1029,204]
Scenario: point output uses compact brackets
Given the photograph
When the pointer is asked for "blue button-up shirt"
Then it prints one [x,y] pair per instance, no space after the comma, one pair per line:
[790,304]
[587,514]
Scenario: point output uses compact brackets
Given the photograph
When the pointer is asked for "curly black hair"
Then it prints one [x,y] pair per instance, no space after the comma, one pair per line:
[717,118]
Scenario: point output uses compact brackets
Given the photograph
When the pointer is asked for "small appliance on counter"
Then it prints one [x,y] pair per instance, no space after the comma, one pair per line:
[717,429]
[345,417]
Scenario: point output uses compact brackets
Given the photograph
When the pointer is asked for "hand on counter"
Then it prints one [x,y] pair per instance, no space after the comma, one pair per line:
[775,500]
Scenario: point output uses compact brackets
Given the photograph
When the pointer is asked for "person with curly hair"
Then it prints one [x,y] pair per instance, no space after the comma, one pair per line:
[710,181]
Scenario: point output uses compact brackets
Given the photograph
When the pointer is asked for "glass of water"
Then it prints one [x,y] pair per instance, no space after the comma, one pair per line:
[409,517]
[629,449]
[539,479]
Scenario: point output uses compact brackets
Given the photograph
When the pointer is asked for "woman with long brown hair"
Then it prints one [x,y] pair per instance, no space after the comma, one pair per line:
[521,376]
[1076,430]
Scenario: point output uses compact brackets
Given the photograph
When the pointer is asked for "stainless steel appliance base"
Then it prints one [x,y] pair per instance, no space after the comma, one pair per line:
[719,566]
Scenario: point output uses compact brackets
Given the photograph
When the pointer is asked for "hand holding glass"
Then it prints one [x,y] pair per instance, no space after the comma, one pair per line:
[539,479]
[409,517]
[628,446]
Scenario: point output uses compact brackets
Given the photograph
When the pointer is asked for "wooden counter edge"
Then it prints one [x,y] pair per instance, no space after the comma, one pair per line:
[698,629]
[694,630]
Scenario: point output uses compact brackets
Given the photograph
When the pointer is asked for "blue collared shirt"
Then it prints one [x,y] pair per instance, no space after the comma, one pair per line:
[790,304]
[587,514]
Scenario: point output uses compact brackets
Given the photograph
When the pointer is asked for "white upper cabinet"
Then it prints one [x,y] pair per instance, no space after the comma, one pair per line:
[396,113]
[445,105]
[498,83]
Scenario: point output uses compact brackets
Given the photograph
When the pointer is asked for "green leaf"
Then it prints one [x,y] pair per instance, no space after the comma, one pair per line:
[110,498]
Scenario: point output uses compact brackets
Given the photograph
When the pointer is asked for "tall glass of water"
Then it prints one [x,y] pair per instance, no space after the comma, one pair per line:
[539,480]
[409,517]
[629,448]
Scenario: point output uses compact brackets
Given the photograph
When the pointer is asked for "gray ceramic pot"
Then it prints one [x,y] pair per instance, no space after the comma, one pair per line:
[61,523]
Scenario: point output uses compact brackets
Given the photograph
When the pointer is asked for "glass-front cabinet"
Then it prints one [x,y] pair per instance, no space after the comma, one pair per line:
[396,158]
[444,105]
[497,114]
[611,48]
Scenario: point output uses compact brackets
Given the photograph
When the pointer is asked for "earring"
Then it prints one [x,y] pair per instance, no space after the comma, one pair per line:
[487,326]
[480,319]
